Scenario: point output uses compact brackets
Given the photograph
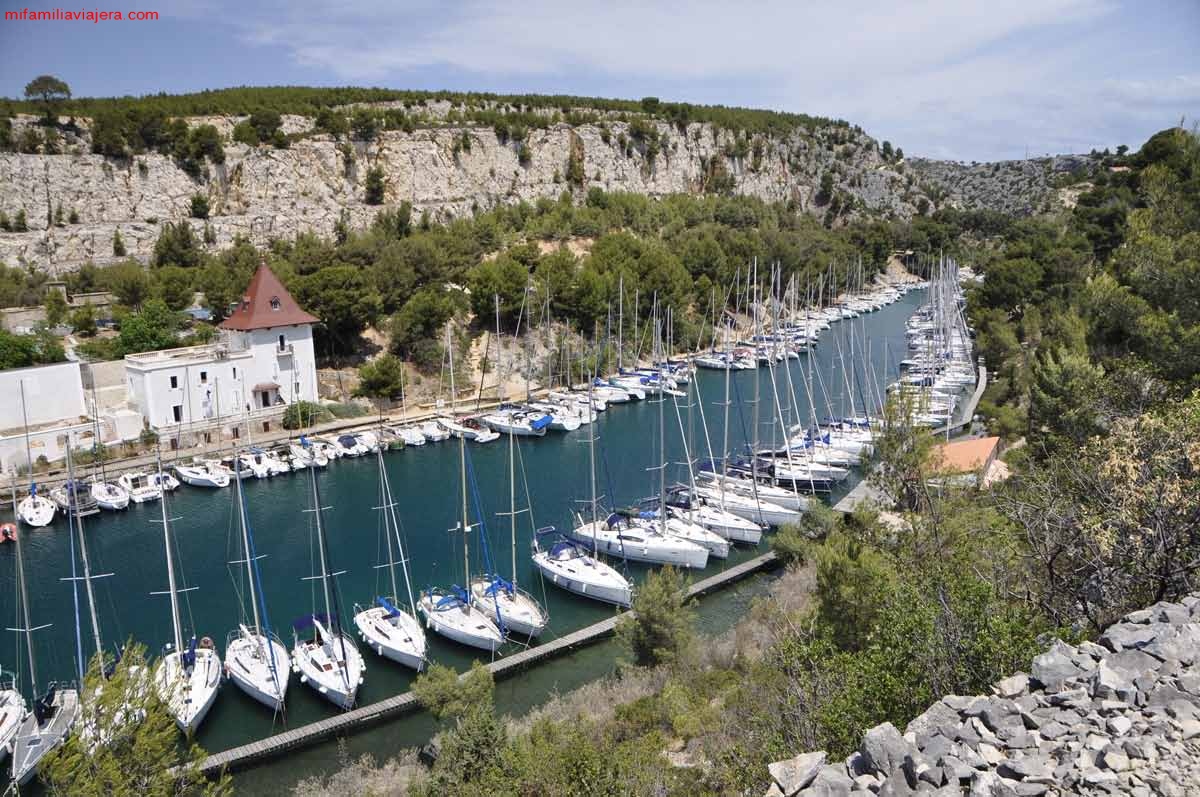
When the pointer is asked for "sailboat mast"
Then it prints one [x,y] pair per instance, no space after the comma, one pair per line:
[592,466]
[387,531]
[25,420]
[391,505]
[87,570]
[321,545]
[462,465]
[24,594]
[620,320]
[175,627]
[245,526]
[662,434]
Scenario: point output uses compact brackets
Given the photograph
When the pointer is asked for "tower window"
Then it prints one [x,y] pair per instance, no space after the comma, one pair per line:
[275,305]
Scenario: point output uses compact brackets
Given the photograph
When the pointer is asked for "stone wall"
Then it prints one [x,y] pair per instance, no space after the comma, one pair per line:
[1118,717]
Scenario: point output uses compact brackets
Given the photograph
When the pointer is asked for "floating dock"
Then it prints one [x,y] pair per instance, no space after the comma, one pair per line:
[407,703]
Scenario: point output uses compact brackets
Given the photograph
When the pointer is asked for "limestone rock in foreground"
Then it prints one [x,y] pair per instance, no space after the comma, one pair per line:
[1119,717]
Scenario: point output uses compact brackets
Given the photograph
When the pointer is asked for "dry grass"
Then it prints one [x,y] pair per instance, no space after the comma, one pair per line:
[365,776]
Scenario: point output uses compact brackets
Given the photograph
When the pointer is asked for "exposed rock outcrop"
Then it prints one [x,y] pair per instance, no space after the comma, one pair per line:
[1118,717]
[264,193]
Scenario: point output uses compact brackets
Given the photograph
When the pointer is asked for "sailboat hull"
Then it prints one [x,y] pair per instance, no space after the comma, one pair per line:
[519,612]
[36,510]
[462,623]
[34,740]
[638,545]
[189,692]
[338,684]
[400,638]
[260,667]
[589,579]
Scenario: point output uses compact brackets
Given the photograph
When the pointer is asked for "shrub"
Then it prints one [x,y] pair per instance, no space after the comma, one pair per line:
[199,208]
[375,187]
[301,414]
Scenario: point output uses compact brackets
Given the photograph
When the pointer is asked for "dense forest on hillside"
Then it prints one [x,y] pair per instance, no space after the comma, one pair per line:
[1091,325]
[399,274]
[125,125]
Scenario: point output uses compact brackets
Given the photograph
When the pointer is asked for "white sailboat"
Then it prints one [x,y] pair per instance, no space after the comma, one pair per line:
[449,612]
[569,565]
[514,608]
[12,711]
[109,496]
[54,712]
[255,658]
[327,660]
[385,628]
[34,510]
[187,680]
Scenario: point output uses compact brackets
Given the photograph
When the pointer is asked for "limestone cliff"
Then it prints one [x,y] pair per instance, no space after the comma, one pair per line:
[266,193]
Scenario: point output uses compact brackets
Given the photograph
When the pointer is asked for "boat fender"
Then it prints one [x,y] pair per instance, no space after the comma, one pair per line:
[304,680]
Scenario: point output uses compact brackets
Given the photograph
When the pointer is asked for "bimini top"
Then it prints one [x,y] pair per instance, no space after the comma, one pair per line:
[266,304]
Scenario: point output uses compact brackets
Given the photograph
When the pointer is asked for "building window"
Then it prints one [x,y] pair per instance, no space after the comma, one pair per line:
[174,382]
[237,432]
[235,372]
[177,413]
[266,426]
[174,444]
[282,343]
[208,437]
[275,305]
[295,390]
[204,377]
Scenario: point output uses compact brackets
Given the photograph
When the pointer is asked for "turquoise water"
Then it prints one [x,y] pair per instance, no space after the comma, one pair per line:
[425,484]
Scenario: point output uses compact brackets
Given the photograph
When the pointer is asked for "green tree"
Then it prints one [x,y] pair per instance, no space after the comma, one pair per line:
[502,277]
[20,222]
[332,122]
[416,330]
[244,133]
[129,282]
[50,91]
[659,629]
[199,206]
[303,414]
[1063,400]
[1011,284]
[265,124]
[140,757]
[174,286]
[177,246]
[902,462]
[380,379]
[448,696]
[83,321]
[345,301]
[364,124]
[118,244]
[56,307]
[375,186]
[152,328]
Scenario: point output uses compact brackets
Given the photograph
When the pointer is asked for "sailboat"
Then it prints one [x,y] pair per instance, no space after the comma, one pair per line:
[327,660]
[12,711]
[109,496]
[450,612]
[54,712]
[187,680]
[34,510]
[388,630]
[255,658]
[514,608]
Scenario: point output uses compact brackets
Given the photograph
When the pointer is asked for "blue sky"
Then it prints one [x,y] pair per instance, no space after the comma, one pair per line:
[964,79]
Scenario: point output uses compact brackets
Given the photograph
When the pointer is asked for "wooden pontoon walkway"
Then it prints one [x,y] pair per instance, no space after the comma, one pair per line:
[406,703]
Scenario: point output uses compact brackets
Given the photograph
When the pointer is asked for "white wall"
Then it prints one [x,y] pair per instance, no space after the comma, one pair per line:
[52,393]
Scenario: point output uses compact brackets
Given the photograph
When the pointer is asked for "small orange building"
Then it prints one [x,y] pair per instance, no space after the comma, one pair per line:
[965,461]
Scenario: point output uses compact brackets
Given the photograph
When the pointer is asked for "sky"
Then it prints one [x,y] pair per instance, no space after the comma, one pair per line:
[962,79]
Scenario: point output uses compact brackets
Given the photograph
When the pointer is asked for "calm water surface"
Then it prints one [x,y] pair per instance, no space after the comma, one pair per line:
[426,487]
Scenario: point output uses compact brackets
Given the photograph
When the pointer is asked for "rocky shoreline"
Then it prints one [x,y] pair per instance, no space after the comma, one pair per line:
[1121,716]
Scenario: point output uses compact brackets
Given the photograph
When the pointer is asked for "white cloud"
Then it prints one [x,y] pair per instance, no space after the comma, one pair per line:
[965,78]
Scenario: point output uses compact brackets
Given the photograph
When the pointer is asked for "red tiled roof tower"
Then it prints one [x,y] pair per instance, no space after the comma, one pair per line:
[266,304]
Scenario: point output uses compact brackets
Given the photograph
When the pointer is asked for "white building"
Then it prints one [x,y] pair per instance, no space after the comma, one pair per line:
[263,361]
[49,399]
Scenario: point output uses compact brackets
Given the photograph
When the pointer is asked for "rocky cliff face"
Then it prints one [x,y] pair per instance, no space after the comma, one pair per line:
[1118,717]
[266,193]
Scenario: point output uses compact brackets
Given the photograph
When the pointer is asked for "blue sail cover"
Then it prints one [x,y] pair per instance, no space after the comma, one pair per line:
[304,441]
[456,595]
[348,440]
[613,520]
[306,622]
[499,585]
[541,423]
[387,604]
[188,658]
[563,546]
